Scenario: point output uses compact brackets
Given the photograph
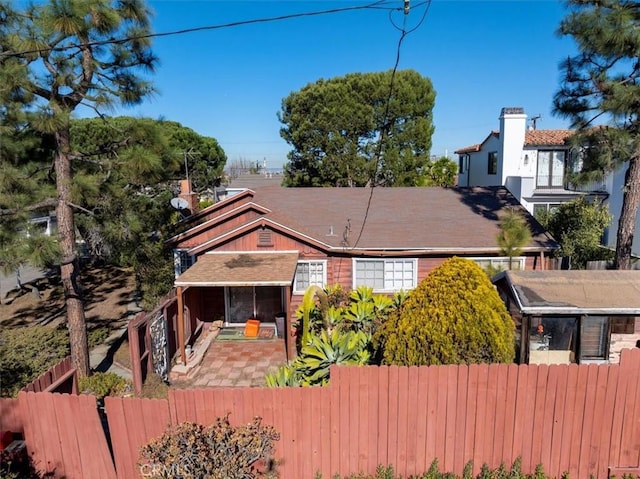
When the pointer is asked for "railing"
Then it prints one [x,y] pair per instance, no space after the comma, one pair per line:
[555,183]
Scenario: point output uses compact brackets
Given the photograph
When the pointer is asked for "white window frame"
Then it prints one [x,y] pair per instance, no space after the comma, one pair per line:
[320,263]
[557,159]
[389,286]
[182,261]
[501,261]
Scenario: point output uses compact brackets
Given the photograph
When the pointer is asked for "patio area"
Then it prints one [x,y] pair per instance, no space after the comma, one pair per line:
[234,363]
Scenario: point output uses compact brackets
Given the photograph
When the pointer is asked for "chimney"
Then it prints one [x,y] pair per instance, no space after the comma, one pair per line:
[189,196]
[513,125]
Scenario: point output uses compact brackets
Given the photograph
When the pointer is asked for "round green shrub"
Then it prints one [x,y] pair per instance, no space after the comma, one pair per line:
[104,384]
[454,316]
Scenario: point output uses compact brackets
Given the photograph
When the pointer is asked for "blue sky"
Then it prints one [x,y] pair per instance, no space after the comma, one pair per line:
[229,83]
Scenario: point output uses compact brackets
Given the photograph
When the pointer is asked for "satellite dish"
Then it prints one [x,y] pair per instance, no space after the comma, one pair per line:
[179,203]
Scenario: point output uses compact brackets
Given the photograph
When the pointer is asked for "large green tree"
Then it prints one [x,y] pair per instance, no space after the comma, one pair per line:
[360,129]
[126,212]
[601,82]
[578,226]
[59,55]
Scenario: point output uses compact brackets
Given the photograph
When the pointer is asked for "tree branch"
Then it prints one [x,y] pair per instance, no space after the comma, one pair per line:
[48,203]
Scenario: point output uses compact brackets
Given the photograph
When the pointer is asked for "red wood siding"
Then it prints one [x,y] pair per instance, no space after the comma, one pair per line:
[217,229]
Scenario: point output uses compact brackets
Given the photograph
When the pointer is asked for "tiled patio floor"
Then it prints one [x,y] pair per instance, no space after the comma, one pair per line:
[235,363]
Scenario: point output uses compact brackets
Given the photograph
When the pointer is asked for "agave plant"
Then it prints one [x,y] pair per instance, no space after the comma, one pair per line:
[360,315]
[285,376]
[362,294]
[381,302]
[326,349]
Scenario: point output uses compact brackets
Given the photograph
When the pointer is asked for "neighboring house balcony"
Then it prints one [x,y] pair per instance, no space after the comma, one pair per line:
[529,187]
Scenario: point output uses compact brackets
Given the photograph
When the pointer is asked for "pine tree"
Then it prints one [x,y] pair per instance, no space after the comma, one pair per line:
[514,234]
[603,81]
[55,57]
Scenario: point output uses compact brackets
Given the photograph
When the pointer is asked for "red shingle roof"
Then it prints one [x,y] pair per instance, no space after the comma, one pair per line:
[400,219]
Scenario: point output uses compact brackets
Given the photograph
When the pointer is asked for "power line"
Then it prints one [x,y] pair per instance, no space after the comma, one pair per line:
[378,4]
[385,118]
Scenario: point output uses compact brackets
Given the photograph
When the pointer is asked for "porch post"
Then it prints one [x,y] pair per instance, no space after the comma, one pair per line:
[542,265]
[289,341]
[183,352]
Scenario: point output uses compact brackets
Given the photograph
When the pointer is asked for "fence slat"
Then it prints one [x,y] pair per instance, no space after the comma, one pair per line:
[577,424]
[481,435]
[383,415]
[420,425]
[337,380]
[10,418]
[559,375]
[402,418]
[412,407]
[392,428]
[509,454]
[373,390]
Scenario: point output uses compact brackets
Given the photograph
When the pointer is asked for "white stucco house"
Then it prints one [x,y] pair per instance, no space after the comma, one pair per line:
[533,165]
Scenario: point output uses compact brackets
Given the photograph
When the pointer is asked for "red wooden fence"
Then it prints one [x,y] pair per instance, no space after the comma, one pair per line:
[581,419]
[65,436]
[60,378]
[10,418]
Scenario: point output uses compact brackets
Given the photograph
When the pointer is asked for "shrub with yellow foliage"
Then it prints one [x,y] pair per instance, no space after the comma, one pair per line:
[454,316]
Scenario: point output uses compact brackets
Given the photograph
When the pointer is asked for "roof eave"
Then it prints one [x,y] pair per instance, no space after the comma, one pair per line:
[574,310]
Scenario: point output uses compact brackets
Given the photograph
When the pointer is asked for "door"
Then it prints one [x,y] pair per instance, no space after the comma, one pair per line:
[240,304]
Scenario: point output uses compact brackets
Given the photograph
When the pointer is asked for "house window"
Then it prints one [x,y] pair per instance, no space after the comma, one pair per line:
[541,209]
[623,324]
[492,165]
[550,169]
[385,274]
[309,273]
[182,261]
[594,332]
[553,339]
[463,164]
[500,263]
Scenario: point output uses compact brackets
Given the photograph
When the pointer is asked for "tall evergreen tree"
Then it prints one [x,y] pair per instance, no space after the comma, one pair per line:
[55,57]
[602,82]
[360,129]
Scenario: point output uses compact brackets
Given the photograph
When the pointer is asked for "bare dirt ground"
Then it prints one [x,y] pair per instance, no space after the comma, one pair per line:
[107,294]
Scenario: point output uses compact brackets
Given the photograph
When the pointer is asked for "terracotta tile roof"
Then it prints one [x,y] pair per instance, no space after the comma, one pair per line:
[546,137]
[468,149]
[474,148]
[531,138]
[447,220]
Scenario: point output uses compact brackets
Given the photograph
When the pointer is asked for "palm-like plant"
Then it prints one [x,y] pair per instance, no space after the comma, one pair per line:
[327,349]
